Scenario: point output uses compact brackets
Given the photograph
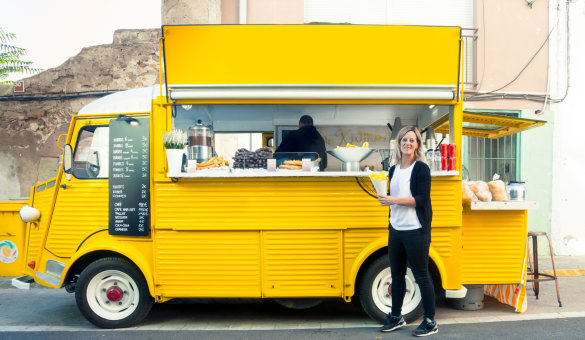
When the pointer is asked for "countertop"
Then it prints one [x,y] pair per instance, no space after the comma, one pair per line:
[504,205]
[241,174]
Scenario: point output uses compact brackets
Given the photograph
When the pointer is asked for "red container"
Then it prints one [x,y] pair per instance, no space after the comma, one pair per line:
[444,163]
[451,163]
[444,150]
[451,150]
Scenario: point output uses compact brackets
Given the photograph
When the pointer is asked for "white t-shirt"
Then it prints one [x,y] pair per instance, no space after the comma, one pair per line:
[402,217]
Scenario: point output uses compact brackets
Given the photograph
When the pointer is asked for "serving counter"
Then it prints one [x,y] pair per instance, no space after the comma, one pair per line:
[494,248]
[256,174]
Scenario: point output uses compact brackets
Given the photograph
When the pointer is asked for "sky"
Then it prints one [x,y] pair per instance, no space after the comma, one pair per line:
[54,30]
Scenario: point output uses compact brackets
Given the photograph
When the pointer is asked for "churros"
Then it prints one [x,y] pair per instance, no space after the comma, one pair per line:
[291,167]
[215,162]
[293,162]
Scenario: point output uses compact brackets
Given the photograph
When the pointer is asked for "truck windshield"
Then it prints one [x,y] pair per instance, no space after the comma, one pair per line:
[90,160]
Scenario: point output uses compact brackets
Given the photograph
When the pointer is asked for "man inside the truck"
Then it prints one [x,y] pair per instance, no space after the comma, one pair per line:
[305,139]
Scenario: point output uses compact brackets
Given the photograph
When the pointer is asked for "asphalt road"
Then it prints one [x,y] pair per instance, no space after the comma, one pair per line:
[570,328]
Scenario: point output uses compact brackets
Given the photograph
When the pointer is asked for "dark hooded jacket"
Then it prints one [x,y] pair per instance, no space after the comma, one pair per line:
[305,139]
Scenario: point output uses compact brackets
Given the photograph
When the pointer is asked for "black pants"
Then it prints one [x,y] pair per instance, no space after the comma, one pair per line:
[411,245]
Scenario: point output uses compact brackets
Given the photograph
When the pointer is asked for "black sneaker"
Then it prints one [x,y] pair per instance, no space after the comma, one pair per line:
[426,328]
[393,323]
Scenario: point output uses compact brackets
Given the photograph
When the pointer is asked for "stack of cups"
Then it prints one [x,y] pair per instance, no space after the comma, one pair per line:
[448,157]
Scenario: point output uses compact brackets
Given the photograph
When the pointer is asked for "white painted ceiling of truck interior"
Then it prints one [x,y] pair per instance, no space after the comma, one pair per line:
[258,118]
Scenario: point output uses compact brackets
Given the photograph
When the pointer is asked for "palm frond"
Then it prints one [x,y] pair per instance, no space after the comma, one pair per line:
[10,61]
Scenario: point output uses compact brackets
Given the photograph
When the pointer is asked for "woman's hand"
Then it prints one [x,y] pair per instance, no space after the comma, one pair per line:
[386,200]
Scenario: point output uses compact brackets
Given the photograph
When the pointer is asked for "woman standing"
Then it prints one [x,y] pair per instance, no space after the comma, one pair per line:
[409,238]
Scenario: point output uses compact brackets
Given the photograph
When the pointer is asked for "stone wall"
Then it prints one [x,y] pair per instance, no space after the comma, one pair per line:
[191,12]
[29,129]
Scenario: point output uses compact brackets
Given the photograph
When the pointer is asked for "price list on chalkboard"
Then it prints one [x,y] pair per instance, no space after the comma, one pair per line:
[129,177]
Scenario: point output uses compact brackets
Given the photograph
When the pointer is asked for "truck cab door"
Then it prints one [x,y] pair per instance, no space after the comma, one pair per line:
[81,207]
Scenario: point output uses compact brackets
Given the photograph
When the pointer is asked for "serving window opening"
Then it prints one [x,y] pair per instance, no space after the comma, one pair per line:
[237,129]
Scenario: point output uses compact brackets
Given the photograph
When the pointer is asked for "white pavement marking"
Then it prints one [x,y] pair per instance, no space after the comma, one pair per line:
[289,326]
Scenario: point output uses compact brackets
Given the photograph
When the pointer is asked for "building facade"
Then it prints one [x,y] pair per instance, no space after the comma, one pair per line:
[567,86]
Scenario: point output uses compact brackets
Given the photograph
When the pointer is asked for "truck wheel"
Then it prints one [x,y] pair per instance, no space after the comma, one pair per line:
[112,293]
[375,292]
[298,303]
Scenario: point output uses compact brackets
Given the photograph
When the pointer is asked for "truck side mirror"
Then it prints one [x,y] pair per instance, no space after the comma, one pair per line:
[67,158]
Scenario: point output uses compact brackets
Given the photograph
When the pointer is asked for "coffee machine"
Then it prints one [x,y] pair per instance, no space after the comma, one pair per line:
[200,142]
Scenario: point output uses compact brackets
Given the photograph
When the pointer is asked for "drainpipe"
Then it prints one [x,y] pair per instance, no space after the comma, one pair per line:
[243,12]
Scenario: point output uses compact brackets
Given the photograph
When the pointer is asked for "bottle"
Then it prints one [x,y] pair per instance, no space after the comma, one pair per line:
[437,160]
[367,169]
[431,159]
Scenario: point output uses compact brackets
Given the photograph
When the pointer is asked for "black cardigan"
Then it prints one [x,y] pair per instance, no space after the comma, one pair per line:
[420,187]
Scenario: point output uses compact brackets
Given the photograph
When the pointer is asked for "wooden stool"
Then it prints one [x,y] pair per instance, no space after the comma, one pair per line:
[533,270]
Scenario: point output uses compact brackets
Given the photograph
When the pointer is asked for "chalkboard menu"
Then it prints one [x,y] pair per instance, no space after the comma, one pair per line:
[129,177]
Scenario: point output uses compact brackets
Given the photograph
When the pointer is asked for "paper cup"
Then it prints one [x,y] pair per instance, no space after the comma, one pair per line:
[191,165]
[381,187]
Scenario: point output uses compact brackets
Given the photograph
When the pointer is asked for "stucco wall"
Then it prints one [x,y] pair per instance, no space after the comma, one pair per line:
[29,129]
[536,153]
[230,12]
[568,224]
[512,32]
[264,11]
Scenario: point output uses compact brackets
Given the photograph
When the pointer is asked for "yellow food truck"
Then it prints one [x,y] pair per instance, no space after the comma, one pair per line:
[119,229]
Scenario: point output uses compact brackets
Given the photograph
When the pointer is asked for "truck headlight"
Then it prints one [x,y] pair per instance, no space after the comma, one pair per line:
[29,214]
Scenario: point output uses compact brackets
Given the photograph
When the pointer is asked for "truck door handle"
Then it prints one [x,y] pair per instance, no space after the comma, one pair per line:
[65,186]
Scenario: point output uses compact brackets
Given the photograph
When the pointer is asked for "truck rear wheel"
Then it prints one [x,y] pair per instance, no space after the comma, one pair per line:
[375,292]
[112,293]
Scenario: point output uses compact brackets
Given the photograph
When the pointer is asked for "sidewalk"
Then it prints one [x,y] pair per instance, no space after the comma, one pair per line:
[565,265]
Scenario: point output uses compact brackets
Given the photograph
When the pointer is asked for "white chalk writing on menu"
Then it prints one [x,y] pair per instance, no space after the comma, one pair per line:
[129,179]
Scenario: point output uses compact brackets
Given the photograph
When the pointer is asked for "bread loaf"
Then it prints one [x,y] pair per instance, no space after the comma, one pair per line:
[482,191]
[498,190]
[468,195]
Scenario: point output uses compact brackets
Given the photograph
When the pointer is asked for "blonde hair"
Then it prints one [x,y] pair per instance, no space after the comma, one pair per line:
[419,154]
